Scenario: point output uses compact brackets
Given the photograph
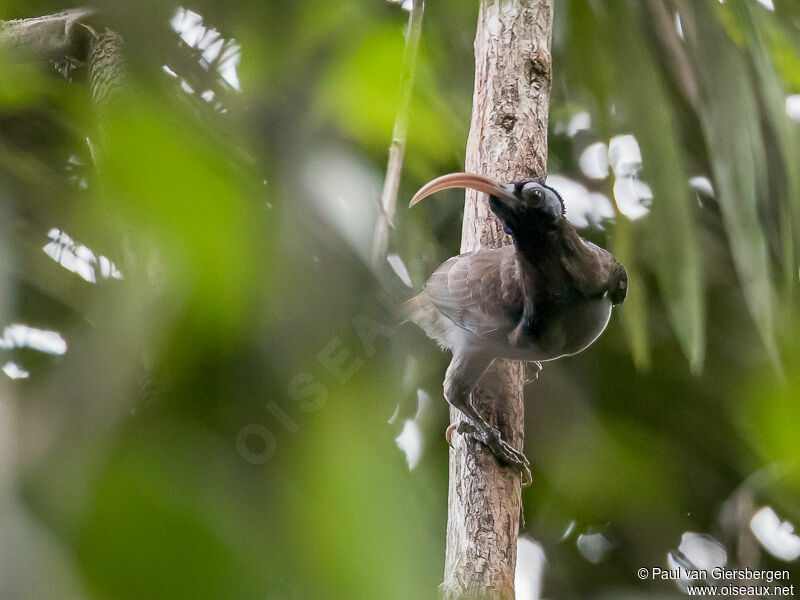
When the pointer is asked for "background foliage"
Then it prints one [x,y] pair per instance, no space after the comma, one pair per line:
[217,426]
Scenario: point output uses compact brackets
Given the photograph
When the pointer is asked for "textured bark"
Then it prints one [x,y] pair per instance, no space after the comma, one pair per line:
[52,36]
[106,74]
[507,141]
[58,37]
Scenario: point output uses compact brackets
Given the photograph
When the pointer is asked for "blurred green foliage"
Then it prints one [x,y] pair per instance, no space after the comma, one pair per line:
[218,425]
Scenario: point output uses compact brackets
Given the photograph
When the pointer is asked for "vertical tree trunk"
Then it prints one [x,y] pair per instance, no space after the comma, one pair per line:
[507,141]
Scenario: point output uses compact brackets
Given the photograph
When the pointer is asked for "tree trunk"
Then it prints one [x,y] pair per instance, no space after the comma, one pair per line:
[507,141]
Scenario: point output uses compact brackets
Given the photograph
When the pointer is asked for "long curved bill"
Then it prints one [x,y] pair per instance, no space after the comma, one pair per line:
[464,180]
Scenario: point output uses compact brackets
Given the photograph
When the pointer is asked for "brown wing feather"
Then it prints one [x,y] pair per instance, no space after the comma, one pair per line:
[478,291]
[596,272]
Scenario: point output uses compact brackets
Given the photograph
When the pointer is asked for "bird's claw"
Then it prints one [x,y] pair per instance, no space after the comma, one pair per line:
[503,451]
[448,434]
[532,370]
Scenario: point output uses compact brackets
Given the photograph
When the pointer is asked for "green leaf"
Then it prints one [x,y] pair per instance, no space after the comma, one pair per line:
[670,236]
[611,66]
[730,120]
[359,96]
[762,32]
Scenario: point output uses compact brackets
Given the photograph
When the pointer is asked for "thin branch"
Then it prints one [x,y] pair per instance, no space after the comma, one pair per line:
[391,183]
[677,60]
[53,36]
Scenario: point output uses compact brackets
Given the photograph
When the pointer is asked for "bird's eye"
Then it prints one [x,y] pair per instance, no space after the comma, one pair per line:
[538,195]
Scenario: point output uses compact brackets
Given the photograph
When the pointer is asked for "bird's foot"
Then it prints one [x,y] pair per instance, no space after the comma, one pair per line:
[503,451]
[532,370]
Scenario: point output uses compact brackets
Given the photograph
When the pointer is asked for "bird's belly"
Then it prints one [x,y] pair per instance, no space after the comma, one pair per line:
[572,330]
[583,323]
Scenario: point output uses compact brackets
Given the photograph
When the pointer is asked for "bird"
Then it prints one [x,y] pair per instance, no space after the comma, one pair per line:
[546,296]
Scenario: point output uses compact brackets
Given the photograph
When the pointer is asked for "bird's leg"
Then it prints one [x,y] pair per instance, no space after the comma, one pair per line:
[462,376]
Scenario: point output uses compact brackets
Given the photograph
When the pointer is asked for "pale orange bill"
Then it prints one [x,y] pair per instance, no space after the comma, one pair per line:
[462,180]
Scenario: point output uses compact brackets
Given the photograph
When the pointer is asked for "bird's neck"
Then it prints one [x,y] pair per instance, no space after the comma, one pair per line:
[543,268]
[539,257]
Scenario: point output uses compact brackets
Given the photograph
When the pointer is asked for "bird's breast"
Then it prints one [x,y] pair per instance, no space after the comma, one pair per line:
[582,323]
[573,328]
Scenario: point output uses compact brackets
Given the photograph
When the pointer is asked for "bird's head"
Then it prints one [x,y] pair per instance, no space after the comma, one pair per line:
[526,208]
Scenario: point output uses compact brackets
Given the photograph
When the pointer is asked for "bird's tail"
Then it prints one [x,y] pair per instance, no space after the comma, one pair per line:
[418,310]
[422,312]
[409,308]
